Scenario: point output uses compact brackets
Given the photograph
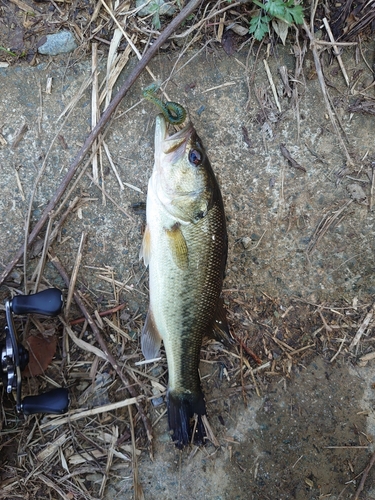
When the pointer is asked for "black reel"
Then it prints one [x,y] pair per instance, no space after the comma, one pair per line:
[14,357]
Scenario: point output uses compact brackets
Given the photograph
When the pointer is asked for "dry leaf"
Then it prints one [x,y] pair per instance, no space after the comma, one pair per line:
[41,352]
[281,28]
[228,43]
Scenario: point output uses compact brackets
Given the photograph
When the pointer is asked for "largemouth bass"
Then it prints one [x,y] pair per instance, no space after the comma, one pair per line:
[185,247]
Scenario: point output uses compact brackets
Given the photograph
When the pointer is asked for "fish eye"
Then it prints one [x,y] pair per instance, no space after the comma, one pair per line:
[195,157]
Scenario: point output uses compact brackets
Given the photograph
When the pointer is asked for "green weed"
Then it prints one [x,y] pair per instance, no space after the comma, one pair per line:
[279,13]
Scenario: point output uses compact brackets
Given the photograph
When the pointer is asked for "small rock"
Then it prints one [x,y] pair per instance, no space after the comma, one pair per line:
[58,43]
[356,193]
[246,242]
[238,29]
[157,401]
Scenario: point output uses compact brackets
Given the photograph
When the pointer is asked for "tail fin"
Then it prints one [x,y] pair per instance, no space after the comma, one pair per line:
[181,409]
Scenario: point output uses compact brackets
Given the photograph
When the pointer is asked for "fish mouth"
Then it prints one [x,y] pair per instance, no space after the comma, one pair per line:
[173,146]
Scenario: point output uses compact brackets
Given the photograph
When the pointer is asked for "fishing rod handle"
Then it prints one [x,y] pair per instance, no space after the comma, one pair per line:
[55,401]
[48,302]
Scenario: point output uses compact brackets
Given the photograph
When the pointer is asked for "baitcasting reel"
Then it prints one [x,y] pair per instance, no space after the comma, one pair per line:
[14,357]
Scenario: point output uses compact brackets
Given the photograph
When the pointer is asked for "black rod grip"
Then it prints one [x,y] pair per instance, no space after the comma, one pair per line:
[49,303]
[55,401]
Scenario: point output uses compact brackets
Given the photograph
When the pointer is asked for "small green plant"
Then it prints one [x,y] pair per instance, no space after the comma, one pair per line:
[8,51]
[282,14]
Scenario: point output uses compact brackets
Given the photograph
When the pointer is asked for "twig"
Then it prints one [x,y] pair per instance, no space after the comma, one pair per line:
[319,72]
[339,350]
[362,328]
[113,165]
[153,49]
[324,225]
[364,477]
[226,84]
[73,278]
[138,491]
[94,107]
[101,314]
[209,432]
[21,132]
[51,484]
[242,379]
[44,255]
[291,160]
[371,203]
[270,79]
[346,447]
[23,6]
[339,44]
[336,51]
[55,261]
[19,183]
[248,350]
[110,453]
[93,411]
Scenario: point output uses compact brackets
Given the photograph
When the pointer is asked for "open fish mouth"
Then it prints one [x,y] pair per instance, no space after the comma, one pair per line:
[174,143]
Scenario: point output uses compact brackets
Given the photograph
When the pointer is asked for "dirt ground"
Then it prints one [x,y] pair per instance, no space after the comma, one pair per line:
[299,285]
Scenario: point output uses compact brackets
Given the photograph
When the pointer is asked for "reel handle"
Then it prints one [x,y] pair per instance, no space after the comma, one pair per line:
[48,302]
[55,401]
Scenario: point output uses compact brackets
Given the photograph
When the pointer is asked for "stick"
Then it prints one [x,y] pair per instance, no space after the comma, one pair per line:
[73,278]
[319,72]
[372,187]
[291,160]
[153,49]
[336,51]
[270,79]
[94,108]
[364,477]
[362,328]
[89,413]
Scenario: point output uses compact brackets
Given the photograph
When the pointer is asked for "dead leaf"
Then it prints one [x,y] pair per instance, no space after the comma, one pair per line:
[228,42]
[41,352]
[281,28]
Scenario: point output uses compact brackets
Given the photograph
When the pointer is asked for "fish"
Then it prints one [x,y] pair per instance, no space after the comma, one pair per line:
[185,246]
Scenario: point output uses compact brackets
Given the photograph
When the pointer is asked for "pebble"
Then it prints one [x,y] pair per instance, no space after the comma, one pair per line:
[58,43]
[246,242]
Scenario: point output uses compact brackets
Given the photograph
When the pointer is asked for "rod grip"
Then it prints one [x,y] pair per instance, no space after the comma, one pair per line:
[48,302]
[55,401]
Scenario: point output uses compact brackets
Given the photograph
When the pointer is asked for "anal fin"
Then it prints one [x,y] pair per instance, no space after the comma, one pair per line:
[220,329]
[150,338]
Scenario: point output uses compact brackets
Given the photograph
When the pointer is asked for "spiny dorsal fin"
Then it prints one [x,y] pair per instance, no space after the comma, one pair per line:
[178,246]
[150,338]
[145,250]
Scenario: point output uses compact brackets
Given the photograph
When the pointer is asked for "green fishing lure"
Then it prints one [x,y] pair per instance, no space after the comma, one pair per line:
[174,113]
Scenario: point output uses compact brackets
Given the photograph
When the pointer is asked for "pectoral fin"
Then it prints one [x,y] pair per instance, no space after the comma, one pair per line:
[178,246]
[150,338]
[145,250]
